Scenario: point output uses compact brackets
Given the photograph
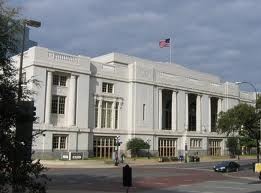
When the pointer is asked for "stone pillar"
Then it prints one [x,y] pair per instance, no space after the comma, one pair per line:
[186,111]
[160,109]
[99,112]
[174,111]
[71,101]
[113,114]
[198,115]
[48,98]
[219,105]
[119,114]
[209,114]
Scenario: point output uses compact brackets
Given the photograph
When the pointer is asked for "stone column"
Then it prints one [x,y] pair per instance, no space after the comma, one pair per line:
[209,113]
[186,111]
[71,101]
[198,115]
[219,105]
[48,98]
[113,114]
[119,114]
[160,109]
[99,112]
[174,111]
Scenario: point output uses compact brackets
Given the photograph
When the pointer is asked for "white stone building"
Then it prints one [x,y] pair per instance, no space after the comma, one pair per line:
[84,103]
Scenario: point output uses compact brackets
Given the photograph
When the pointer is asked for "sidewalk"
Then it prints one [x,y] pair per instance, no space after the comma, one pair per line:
[97,163]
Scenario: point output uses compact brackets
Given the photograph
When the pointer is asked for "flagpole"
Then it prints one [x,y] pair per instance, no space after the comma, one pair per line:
[170,50]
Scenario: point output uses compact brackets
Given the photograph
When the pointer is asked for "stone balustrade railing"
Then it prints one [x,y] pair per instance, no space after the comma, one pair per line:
[62,57]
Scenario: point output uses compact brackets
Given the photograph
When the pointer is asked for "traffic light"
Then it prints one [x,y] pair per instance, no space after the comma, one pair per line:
[25,116]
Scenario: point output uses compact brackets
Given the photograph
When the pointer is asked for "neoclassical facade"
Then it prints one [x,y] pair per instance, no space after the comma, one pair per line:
[83,104]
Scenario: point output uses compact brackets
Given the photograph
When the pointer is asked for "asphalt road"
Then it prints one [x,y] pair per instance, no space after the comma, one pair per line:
[177,178]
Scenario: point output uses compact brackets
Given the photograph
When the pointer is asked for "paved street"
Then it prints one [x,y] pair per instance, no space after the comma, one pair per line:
[179,178]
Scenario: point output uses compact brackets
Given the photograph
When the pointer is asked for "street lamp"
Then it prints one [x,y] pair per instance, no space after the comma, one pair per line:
[25,23]
[252,85]
[118,143]
[148,142]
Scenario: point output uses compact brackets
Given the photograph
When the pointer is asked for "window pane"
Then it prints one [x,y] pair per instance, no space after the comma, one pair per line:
[109,118]
[109,114]
[96,113]
[110,88]
[54,103]
[103,114]
[55,80]
[63,80]
[116,115]
[55,142]
[61,104]
[63,142]
[104,87]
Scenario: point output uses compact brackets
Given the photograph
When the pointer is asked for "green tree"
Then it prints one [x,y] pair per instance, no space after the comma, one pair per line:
[242,120]
[23,175]
[233,146]
[247,143]
[135,145]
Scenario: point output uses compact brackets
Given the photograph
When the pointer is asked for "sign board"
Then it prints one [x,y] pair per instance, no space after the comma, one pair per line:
[258,167]
[76,155]
[65,156]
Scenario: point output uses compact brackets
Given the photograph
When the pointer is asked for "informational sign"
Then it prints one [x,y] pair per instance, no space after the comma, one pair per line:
[258,167]
[76,155]
[65,156]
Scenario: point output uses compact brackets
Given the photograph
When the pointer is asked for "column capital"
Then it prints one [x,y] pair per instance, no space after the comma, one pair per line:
[50,70]
[74,75]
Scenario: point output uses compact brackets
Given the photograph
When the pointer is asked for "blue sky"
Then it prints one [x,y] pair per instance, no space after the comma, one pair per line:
[221,37]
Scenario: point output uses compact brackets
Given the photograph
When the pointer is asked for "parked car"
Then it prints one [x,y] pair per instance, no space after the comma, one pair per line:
[227,166]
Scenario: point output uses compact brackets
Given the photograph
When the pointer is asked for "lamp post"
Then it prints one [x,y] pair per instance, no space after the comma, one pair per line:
[148,142]
[25,23]
[16,163]
[117,138]
[252,85]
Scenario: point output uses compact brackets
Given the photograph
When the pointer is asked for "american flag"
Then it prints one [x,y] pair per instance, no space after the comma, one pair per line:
[164,43]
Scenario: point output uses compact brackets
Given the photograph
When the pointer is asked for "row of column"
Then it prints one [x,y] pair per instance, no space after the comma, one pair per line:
[198,111]
[99,118]
[71,116]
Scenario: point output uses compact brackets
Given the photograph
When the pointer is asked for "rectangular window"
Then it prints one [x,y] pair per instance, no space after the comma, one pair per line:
[55,80]
[54,104]
[55,142]
[167,147]
[96,113]
[107,87]
[60,142]
[103,147]
[116,115]
[58,104]
[192,111]
[63,142]
[63,80]
[214,109]
[106,114]
[195,143]
[59,80]
[214,147]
